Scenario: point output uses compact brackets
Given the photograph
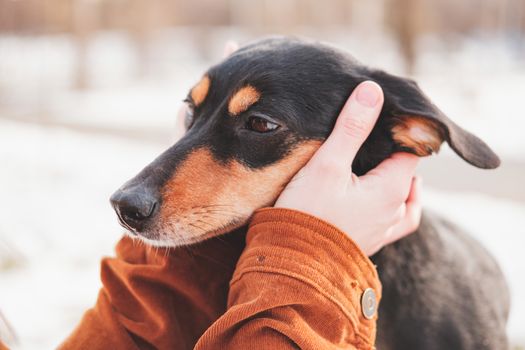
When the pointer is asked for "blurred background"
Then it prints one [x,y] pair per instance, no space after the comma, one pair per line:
[89,91]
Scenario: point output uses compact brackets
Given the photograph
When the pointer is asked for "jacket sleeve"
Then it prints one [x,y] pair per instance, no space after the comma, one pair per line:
[299,283]
[157,299]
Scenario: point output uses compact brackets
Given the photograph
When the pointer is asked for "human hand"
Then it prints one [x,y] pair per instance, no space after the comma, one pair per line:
[375,209]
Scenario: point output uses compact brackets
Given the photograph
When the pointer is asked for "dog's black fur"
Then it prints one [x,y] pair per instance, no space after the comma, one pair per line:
[441,289]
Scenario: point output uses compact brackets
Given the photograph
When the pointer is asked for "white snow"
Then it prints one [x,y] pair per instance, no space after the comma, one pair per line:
[55,186]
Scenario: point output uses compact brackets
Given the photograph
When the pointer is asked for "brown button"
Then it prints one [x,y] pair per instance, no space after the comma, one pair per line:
[368,303]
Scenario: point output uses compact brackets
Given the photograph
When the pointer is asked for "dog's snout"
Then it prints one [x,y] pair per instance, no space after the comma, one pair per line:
[134,207]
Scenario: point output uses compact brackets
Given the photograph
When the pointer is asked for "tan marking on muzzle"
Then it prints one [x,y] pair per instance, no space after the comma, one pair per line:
[243,99]
[205,198]
[421,135]
[200,91]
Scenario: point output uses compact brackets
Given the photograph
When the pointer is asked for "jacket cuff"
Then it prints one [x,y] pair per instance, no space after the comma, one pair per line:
[301,246]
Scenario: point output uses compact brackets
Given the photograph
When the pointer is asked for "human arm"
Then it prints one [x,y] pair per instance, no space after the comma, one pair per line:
[155,298]
[304,279]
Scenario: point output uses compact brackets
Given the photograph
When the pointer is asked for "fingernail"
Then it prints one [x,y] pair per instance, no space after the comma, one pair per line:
[368,94]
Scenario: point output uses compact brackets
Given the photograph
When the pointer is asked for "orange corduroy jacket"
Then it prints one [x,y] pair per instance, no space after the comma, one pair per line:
[292,281]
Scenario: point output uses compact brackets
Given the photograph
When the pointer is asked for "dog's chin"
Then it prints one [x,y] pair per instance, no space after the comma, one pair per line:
[166,238]
[153,242]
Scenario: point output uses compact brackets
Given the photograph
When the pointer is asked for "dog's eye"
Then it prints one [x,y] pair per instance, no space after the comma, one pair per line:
[261,125]
[188,117]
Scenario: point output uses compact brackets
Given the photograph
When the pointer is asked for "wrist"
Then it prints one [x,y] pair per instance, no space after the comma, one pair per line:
[303,247]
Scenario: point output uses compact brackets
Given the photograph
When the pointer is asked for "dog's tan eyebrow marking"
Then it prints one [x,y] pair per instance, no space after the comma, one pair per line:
[243,99]
[200,91]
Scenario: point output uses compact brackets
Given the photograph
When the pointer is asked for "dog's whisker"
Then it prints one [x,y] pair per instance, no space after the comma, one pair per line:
[218,213]
[204,222]
[223,211]
[167,251]
[213,205]
[197,227]
[220,217]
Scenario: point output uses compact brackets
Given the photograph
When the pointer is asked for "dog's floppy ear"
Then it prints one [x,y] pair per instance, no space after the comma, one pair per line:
[419,127]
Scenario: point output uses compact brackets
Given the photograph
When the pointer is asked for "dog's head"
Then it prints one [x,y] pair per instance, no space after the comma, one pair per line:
[254,120]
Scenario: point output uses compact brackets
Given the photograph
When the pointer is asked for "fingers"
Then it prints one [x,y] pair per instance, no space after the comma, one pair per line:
[393,176]
[412,216]
[354,124]
[230,47]
[414,196]
[400,214]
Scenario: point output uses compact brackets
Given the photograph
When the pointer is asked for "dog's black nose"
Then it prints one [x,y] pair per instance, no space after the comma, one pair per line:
[134,207]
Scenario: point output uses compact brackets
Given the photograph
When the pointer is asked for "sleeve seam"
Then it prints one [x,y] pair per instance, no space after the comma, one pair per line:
[307,281]
[361,260]
[309,267]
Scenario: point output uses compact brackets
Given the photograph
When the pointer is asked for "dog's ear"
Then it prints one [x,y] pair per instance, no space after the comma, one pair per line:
[418,126]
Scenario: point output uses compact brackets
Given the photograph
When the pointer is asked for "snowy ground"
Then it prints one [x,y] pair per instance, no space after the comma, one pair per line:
[57,219]
[55,182]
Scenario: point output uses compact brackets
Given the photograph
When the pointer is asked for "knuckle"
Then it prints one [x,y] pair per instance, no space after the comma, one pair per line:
[412,226]
[355,127]
[399,216]
[417,217]
[413,221]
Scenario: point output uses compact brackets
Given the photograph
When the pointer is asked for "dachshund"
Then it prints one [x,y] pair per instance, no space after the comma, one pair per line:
[256,118]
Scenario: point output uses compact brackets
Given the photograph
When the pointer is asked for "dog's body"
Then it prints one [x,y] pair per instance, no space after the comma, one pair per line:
[441,290]
[256,118]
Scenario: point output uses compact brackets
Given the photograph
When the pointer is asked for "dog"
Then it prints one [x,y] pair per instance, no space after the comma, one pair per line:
[256,118]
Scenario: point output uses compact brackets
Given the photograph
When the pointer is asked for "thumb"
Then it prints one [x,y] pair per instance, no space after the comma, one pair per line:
[354,124]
